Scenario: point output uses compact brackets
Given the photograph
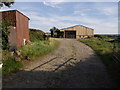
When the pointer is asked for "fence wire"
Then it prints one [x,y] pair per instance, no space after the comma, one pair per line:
[116,50]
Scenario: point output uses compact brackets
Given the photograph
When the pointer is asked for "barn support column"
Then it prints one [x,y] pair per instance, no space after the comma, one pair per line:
[64,35]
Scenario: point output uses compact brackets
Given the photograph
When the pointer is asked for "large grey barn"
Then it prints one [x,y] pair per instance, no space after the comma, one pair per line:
[78,31]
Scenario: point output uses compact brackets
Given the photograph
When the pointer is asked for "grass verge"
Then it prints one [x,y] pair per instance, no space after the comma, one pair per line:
[105,50]
[39,48]
[29,52]
[9,63]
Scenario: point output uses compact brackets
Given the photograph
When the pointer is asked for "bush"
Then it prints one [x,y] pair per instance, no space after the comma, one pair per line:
[101,36]
[9,64]
[4,26]
[36,35]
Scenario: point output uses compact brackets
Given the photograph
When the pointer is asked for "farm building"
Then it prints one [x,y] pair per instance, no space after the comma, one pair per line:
[19,31]
[77,31]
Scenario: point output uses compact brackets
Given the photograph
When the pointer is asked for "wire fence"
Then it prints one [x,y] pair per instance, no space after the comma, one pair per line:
[116,50]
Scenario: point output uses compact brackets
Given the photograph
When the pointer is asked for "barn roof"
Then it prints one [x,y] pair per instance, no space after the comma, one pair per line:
[75,26]
[17,11]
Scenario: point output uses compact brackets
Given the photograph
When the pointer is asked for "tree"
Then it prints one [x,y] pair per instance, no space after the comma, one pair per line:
[5,26]
[54,31]
[7,3]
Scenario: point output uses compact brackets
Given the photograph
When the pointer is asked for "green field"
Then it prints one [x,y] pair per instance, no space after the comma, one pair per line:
[104,49]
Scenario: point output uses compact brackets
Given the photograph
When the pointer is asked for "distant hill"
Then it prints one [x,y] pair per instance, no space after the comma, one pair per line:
[109,35]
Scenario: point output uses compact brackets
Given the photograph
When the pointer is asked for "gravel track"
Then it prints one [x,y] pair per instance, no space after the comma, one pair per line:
[72,65]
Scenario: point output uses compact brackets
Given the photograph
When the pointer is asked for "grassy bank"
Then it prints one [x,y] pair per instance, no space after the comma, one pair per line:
[29,52]
[105,50]
[9,63]
[38,48]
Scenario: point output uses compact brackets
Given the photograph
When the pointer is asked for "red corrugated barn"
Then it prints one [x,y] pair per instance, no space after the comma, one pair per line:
[19,31]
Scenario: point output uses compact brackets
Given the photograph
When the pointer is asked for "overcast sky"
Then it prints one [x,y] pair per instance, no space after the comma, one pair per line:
[101,16]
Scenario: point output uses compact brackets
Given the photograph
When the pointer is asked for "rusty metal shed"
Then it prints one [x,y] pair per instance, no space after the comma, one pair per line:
[19,30]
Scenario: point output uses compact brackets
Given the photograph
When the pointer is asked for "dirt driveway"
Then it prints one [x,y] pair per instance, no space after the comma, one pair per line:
[72,65]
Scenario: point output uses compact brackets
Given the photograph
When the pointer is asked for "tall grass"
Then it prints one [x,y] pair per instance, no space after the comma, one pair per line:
[9,63]
[29,52]
[38,48]
[105,51]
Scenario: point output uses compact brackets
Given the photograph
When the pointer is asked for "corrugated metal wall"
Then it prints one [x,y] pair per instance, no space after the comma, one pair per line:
[22,28]
[8,16]
[19,30]
[81,30]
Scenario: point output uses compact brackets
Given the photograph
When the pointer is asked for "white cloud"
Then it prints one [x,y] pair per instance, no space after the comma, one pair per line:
[111,10]
[82,12]
[66,0]
[45,23]
[79,13]
[101,25]
[52,4]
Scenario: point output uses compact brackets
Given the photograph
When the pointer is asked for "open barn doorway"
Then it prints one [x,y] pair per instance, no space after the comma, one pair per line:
[70,34]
